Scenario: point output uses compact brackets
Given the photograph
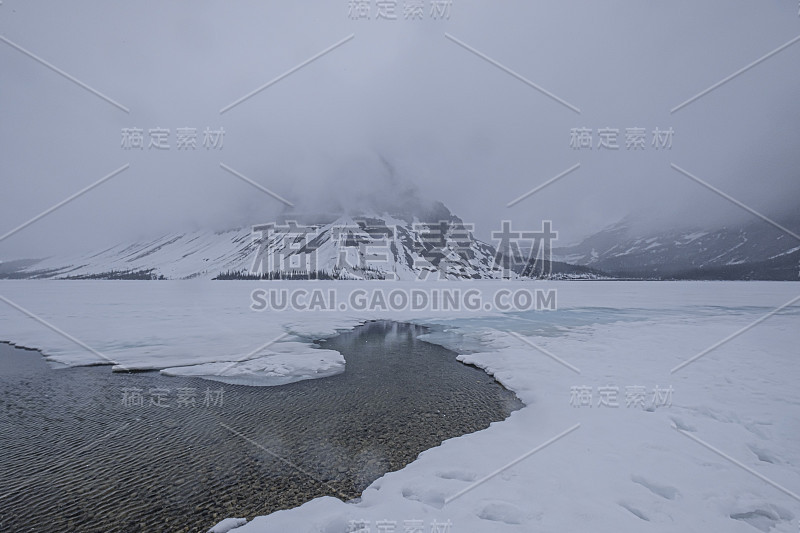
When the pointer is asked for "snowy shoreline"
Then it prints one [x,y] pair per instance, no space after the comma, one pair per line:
[623,468]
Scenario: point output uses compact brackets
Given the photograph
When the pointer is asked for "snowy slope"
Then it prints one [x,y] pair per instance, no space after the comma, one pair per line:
[174,256]
[754,250]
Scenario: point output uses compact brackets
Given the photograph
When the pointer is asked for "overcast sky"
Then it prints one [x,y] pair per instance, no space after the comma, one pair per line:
[399,94]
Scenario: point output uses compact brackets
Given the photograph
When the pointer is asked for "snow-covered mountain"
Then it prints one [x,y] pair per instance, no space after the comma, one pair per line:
[428,244]
[753,250]
[371,246]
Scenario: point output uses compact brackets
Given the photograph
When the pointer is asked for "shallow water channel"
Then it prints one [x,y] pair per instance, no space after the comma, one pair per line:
[85,449]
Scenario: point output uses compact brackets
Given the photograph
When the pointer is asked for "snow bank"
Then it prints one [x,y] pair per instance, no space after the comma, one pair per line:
[623,468]
[290,362]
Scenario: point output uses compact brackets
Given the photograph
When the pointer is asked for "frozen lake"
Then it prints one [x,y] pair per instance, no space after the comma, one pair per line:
[719,453]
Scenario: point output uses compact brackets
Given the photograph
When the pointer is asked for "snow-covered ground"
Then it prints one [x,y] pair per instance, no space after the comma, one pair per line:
[716,451]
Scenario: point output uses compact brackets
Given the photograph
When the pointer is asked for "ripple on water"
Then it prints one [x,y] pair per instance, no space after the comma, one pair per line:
[75,458]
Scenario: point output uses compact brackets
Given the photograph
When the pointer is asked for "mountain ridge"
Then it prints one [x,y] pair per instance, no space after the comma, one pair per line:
[364,246]
[754,250]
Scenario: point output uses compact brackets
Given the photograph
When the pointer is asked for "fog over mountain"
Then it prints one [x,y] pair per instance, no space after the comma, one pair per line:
[394,115]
